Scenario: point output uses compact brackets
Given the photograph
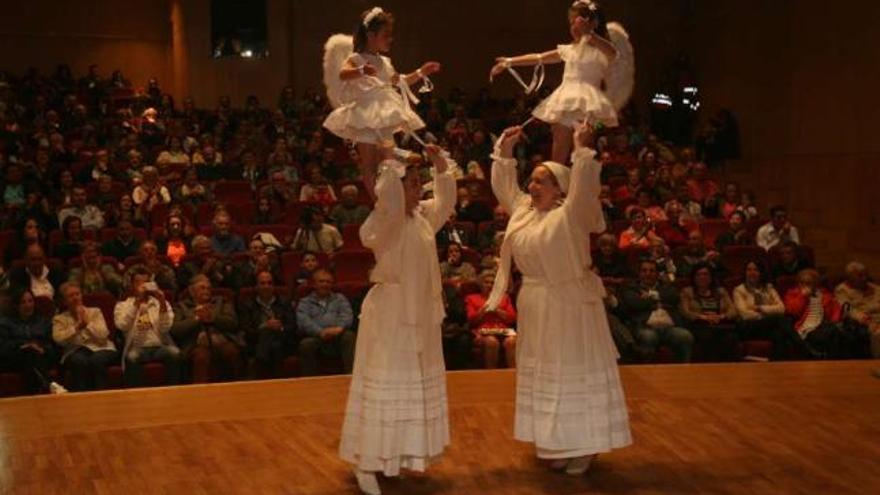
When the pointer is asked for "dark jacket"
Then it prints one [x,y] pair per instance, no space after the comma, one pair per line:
[636,306]
[186,327]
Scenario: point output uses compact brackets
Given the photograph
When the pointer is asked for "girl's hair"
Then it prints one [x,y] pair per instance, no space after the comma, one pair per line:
[374,26]
[713,279]
[762,269]
[591,11]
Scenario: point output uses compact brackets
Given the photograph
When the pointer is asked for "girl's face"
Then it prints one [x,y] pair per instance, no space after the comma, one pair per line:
[579,26]
[26,305]
[380,41]
[753,274]
[310,262]
[703,278]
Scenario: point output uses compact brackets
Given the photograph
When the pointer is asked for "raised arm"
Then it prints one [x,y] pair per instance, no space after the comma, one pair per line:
[504,181]
[582,204]
[438,210]
[502,63]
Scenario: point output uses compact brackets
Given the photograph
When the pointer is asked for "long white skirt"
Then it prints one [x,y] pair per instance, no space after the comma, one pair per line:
[569,400]
[397,410]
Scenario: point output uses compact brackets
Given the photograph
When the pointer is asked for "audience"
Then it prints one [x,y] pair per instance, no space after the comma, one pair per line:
[26,341]
[777,230]
[710,314]
[762,312]
[315,235]
[324,319]
[492,329]
[454,269]
[348,211]
[270,323]
[93,274]
[816,314]
[861,298]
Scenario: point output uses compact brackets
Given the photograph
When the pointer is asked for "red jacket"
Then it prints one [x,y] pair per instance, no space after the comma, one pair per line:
[796,305]
[475,303]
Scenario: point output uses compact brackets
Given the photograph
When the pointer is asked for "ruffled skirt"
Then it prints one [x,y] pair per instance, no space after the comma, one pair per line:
[575,101]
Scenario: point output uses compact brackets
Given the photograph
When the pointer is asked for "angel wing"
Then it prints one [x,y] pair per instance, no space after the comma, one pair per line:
[620,80]
[337,49]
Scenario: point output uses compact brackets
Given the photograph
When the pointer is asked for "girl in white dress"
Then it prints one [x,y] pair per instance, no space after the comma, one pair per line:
[397,414]
[569,399]
[598,54]
[371,100]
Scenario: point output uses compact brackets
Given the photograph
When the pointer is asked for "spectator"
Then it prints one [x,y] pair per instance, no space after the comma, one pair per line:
[469,210]
[451,233]
[747,205]
[105,197]
[266,213]
[26,341]
[762,312]
[150,193]
[269,323]
[696,253]
[317,190]
[777,230]
[659,253]
[174,154]
[640,232]
[816,314]
[789,262]
[206,330]
[492,329]
[71,240]
[609,210]
[609,263]
[349,211]
[693,211]
[455,270]
[149,262]
[315,235]
[14,189]
[174,243]
[309,263]
[191,191]
[35,275]
[731,200]
[862,297]
[205,261]
[457,339]
[250,169]
[711,315]
[647,202]
[324,319]
[124,244]
[487,234]
[279,190]
[676,229]
[736,233]
[90,215]
[31,233]
[145,318]
[93,275]
[652,309]
[224,241]
[125,209]
[700,186]
[258,260]
[83,335]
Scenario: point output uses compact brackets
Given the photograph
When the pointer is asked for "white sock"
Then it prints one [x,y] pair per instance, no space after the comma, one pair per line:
[579,465]
[367,482]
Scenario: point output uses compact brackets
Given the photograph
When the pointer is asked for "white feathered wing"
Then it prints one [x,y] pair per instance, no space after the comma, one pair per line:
[620,80]
[337,49]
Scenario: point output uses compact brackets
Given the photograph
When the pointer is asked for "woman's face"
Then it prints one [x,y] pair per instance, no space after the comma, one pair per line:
[753,274]
[148,251]
[256,248]
[703,278]
[486,284]
[543,189]
[453,254]
[578,29]
[807,281]
[91,257]
[26,305]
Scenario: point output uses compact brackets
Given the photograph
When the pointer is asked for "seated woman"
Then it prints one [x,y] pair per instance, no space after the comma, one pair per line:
[640,232]
[492,329]
[94,275]
[711,315]
[31,232]
[191,190]
[72,238]
[124,209]
[151,192]
[816,314]
[174,243]
[761,311]
[455,270]
[26,341]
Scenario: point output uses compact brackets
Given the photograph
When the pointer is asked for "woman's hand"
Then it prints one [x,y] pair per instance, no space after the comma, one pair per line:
[435,153]
[429,68]
[583,136]
[498,68]
[509,140]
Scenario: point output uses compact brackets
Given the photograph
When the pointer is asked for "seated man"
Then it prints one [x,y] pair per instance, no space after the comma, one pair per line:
[206,330]
[125,244]
[36,275]
[93,275]
[160,272]
[788,262]
[652,310]
[863,298]
[736,234]
[82,333]
[777,230]
[315,235]
[269,324]
[224,241]
[694,253]
[324,319]
[145,319]
[90,215]
[486,236]
[348,211]
[206,262]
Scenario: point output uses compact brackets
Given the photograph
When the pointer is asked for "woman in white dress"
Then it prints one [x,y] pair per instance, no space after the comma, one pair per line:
[598,53]
[397,415]
[569,400]
[368,108]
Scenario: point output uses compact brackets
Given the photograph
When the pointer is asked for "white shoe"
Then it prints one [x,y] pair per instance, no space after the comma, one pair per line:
[579,465]
[367,482]
[56,388]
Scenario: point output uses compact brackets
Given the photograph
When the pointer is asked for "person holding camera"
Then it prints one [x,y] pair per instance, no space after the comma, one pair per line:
[145,319]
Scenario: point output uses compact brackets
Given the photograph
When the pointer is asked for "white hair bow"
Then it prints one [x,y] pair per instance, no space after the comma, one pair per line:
[372,14]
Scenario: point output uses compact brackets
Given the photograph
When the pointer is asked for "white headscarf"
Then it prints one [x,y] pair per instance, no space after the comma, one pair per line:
[562,174]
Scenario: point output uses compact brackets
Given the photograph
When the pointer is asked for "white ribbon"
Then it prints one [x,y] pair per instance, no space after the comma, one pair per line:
[537,76]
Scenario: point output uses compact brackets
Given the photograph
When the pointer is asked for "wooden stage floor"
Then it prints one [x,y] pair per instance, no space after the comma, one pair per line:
[749,428]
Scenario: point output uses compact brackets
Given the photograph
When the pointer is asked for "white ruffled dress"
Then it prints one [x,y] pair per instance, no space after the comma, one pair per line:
[373,110]
[580,96]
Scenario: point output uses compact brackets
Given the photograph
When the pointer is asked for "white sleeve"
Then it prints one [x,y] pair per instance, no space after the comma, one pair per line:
[439,209]
[582,204]
[384,223]
[505,185]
